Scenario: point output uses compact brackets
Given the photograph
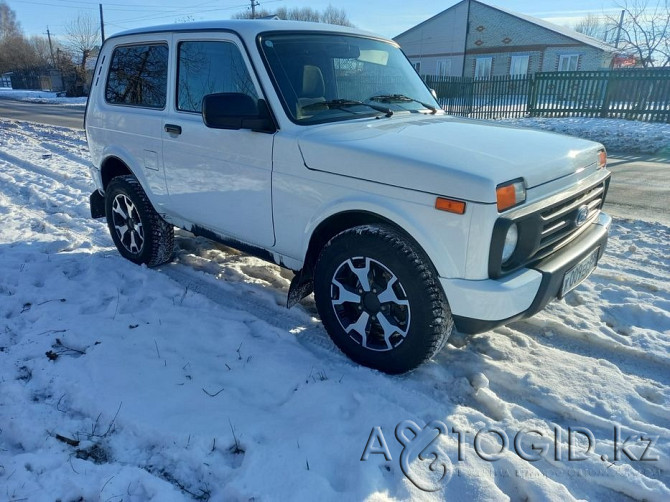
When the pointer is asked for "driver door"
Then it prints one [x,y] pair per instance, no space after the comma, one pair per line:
[216,179]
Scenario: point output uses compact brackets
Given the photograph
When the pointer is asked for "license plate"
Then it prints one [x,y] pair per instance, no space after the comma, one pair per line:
[579,272]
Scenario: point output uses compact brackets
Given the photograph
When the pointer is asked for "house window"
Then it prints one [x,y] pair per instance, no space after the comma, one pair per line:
[483,67]
[519,66]
[444,68]
[568,62]
[417,67]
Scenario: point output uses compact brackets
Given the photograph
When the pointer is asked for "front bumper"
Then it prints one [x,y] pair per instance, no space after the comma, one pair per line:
[479,306]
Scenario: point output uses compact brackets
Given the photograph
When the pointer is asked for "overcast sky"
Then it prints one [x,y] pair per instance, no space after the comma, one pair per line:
[386,17]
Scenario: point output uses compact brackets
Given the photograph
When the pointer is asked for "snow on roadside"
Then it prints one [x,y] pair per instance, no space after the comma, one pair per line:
[192,381]
[628,136]
[44,97]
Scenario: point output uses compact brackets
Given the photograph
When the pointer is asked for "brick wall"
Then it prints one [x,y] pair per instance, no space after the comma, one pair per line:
[498,35]
[495,34]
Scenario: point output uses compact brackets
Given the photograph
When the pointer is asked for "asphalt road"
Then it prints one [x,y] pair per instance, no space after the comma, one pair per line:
[58,115]
[640,186]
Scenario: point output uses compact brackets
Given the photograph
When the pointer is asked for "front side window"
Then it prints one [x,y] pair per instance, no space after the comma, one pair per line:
[568,62]
[208,67]
[138,76]
[330,77]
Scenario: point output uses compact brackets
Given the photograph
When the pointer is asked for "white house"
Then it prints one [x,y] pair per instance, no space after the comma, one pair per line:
[474,39]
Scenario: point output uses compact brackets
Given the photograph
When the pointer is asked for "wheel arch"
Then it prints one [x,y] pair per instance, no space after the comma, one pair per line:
[344,220]
[112,167]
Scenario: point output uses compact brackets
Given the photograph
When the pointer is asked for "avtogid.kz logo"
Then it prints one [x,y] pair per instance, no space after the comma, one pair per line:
[424,461]
[421,461]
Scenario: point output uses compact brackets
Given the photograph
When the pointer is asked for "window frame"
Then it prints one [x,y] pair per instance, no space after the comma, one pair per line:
[568,57]
[141,43]
[488,59]
[518,57]
[217,39]
[446,65]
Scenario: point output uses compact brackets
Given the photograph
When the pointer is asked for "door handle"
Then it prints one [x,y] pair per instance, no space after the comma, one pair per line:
[172,129]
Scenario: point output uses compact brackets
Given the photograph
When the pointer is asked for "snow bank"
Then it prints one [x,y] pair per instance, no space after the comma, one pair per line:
[622,136]
[45,97]
[192,381]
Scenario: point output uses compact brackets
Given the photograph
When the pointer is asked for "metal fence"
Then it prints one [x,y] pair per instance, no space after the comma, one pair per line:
[638,94]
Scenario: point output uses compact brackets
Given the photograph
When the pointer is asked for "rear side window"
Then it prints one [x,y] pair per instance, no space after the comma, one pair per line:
[208,68]
[138,76]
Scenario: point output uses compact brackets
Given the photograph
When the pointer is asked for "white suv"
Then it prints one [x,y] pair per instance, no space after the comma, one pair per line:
[319,148]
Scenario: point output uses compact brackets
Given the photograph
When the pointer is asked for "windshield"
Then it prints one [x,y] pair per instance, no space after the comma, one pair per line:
[329,77]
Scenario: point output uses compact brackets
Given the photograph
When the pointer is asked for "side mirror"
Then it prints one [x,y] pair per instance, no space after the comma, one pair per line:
[234,110]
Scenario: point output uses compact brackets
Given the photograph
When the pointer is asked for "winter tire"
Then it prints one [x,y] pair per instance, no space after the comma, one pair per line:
[138,231]
[379,299]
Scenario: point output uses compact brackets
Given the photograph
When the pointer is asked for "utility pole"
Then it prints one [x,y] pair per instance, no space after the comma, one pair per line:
[618,33]
[467,32]
[51,48]
[254,4]
[102,24]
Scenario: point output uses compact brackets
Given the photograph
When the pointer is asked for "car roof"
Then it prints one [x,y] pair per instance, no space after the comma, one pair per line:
[246,28]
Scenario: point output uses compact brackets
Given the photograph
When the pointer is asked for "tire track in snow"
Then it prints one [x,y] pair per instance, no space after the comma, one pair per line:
[244,297]
[629,360]
[73,182]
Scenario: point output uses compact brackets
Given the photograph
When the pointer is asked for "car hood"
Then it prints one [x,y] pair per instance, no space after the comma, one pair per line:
[449,156]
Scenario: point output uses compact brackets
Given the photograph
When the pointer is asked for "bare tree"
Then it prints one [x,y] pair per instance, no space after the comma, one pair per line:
[16,53]
[42,49]
[333,15]
[330,15]
[82,36]
[645,31]
[593,26]
[9,26]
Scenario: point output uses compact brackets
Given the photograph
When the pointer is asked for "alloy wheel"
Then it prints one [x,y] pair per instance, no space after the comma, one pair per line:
[128,224]
[370,304]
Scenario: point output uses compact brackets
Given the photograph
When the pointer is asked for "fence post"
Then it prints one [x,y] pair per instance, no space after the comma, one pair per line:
[607,99]
[532,95]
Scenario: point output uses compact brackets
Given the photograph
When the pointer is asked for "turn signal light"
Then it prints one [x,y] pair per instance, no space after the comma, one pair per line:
[510,194]
[602,159]
[450,205]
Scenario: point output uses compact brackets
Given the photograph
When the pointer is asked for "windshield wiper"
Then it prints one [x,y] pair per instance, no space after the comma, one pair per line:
[343,103]
[390,98]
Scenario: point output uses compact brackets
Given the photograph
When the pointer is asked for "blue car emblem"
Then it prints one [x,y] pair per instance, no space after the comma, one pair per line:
[582,216]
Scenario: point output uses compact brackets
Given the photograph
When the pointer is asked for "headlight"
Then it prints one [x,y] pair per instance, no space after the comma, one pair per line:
[510,194]
[511,240]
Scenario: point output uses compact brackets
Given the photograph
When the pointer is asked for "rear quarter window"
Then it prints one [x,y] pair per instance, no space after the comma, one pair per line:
[138,76]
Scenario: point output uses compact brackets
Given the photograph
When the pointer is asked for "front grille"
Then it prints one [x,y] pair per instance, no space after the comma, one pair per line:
[546,226]
[559,222]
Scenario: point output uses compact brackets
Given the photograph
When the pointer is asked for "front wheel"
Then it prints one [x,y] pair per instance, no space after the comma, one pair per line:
[138,231]
[379,299]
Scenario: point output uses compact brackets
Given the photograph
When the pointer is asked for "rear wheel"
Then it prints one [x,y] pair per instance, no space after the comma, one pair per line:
[379,299]
[138,231]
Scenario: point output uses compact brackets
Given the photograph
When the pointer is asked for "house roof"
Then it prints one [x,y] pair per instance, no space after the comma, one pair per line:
[561,30]
[566,32]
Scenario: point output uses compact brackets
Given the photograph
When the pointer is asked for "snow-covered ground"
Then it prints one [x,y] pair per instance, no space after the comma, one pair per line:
[627,136]
[44,97]
[192,381]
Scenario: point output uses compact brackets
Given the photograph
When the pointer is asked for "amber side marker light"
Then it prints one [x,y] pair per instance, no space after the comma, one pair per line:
[450,206]
[510,194]
[602,159]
